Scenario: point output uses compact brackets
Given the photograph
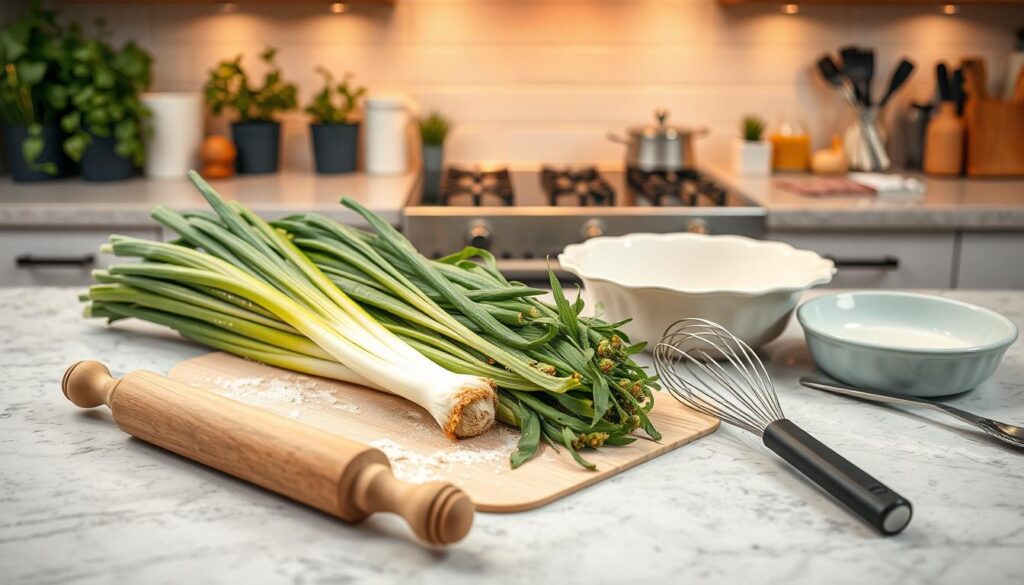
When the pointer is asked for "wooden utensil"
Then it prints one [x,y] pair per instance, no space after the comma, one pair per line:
[975,78]
[323,470]
[479,465]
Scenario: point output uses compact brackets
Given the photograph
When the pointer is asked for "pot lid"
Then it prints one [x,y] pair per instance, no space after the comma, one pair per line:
[660,129]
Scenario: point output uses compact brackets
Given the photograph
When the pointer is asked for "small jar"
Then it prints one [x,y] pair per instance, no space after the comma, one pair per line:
[791,147]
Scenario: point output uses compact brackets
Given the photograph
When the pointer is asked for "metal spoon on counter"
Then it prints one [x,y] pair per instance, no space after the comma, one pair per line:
[1007,433]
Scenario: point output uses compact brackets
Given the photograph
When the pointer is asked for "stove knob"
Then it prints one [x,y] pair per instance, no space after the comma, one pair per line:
[592,228]
[698,226]
[479,234]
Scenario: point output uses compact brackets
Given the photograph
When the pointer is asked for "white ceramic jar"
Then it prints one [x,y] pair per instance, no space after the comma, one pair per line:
[386,124]
[177,123]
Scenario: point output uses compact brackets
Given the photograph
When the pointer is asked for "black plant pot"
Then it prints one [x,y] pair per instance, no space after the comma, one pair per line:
[334,147]
[53,152]
[433,163]
[258,145]
[100,161]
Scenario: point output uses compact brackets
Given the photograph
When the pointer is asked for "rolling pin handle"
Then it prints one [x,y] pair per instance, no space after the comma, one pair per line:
[88,384]
[438,512]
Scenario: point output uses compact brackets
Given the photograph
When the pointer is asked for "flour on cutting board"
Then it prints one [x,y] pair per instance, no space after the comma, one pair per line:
[416,467]
[293,393]
[290,391]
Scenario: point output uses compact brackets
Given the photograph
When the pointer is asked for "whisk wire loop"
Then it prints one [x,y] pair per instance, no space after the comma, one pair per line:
[729,381]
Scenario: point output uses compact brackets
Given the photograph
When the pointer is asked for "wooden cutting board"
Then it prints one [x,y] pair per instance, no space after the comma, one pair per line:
[414,444]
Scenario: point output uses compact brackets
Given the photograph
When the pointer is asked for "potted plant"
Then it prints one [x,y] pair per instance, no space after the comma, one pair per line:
[433,130]
[752,154]
[256,135]
[335,135]
[106,122]
[32,97]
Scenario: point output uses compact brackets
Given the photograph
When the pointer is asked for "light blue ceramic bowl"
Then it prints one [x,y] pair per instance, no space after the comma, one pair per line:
[902,342]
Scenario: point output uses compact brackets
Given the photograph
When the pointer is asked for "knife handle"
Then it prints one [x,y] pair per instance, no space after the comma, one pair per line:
[326,471]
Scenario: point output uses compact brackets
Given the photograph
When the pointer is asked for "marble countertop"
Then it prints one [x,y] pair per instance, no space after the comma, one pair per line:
[946,204]
[73,202]
[83,503]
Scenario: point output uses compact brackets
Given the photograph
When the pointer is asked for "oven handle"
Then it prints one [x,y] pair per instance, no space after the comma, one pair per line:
[28,260]
[886,262]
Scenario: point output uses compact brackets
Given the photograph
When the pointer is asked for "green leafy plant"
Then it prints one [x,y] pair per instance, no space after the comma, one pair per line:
[335,103]
[752,128]
[228,88]
[104,87]
[31,95]
[434,128]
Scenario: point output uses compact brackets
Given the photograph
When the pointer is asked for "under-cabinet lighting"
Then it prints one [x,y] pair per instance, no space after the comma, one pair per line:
[337,7]
[229,7]
[790,8]
[950,9]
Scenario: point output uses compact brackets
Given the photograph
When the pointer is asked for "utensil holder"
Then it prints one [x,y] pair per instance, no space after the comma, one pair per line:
[995,138]
[864,143]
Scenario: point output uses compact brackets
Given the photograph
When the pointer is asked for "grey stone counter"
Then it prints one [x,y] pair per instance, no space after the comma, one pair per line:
[73,202]
[83,503]
[946,205]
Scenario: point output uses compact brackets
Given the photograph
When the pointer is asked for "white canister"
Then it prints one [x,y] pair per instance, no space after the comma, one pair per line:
[752,158]
[386,122]
[177,123]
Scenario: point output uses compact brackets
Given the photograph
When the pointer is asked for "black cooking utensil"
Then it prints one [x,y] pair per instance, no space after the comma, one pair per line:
[956,90]
[899,77]
[868,57]
[712,371]
[832,73]
[856,67]
[942,80]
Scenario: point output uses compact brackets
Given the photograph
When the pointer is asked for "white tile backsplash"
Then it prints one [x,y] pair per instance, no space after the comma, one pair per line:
[545,80]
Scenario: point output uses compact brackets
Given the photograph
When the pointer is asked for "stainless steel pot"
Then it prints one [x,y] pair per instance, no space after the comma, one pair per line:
[660,147]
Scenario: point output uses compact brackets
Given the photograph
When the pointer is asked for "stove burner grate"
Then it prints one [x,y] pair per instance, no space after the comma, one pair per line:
[584,186]
[476,185]
[681,188]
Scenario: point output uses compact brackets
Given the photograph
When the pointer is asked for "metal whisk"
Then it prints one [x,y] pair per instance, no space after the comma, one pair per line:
[712,371]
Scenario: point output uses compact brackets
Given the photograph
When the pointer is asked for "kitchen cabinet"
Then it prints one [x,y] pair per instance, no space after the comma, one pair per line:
[56,257]
[991,260]
[883,259]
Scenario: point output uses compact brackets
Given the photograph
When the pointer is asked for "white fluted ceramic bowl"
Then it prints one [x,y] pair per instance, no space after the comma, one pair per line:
[748,286]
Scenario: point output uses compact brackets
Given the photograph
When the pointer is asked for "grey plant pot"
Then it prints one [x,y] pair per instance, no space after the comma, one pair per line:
[335,147]
[258,145]
[433,163]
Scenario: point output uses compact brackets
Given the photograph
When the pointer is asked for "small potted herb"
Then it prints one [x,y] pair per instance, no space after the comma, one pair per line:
[752,154]
[32,97]
[433,130]
[256,135]
[106,122]
[335,134]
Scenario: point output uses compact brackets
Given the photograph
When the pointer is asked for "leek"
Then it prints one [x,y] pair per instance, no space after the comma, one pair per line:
[310,295]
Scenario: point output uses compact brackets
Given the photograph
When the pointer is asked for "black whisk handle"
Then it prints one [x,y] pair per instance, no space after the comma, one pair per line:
[878,505]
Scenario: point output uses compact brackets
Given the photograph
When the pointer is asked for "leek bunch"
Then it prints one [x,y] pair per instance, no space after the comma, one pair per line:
[562,378]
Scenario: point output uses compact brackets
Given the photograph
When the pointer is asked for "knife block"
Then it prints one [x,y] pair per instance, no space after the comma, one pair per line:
[995,138]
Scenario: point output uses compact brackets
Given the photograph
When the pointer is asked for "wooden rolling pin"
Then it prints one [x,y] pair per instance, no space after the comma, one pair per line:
[331,473]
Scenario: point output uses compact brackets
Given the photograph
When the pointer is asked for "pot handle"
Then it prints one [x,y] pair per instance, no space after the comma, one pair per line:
[616,138]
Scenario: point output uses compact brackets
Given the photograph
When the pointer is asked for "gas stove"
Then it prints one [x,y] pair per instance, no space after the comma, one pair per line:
[525,217]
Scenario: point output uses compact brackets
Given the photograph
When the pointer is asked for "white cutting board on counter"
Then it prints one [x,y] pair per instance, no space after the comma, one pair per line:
[418,450]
